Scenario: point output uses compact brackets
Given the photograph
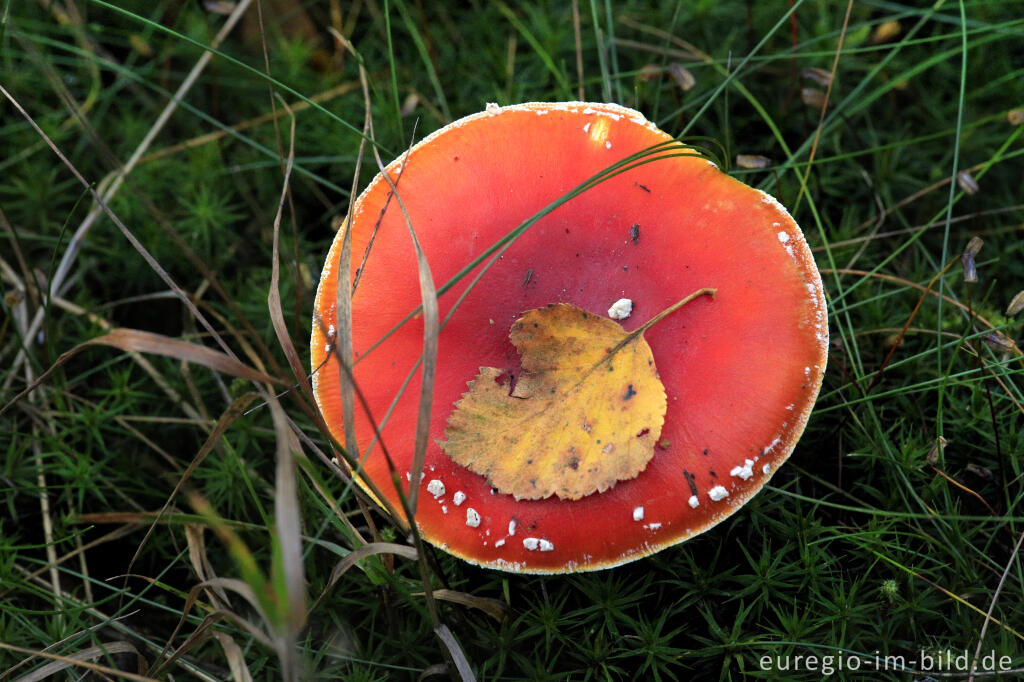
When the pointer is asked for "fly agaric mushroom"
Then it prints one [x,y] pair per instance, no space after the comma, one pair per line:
[741,371]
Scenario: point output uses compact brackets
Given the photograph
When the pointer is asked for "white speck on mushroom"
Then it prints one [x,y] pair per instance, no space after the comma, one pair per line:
[783,237]
[621,309]
[772,201]
[511,566]
[607,144]
[652,526]
[767,467]
[492,108]
[744,472]
[588,111]
[586,128]
[531,543]
[472,517]
[512,527]
[435,487]
[500,543]
[459,497]
[638,514]
[444,508]
[807,371]
[790,407]
[694,502]
[718,493]
[546,545]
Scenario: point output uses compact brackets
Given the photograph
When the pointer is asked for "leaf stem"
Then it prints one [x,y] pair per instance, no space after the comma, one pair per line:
[706,291]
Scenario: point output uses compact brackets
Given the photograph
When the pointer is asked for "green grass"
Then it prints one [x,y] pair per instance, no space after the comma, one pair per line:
[871,541]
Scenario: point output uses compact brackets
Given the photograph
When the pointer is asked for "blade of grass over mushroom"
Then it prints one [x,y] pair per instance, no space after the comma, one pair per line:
[651,154]
[428,294]
[342,341]
[496,251]
[342,345]
[431,329]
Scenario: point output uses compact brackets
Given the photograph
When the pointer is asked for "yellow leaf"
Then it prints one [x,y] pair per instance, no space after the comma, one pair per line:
[586,411]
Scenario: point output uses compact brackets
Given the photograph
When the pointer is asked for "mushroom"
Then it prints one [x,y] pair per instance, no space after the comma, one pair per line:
[741,372]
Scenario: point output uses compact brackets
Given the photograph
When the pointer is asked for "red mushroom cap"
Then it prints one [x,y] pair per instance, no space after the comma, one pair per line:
[741,371]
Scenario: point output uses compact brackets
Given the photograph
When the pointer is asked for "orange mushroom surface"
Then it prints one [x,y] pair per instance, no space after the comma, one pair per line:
[741,371]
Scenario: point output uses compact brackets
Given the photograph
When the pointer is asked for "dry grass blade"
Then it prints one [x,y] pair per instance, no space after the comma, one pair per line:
[74,662]
[967,183]
[361,553]
[155,344]
[431,330]
[992,605]
[682,76]
[110,188]
[806,93]
[229,417]
[752,161]
[287,517]
[200,560]
[288,529]
[99,651]
[274,292]
[1016,304]
[235,657]
[968,259]
[498,610]
[204,632]
[456,653]
[431,315]
[343,298]
[237,586]
[115,534]
[577,39]
[967,490]
[293,107]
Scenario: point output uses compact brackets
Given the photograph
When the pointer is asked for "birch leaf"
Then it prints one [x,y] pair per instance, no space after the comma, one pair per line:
[585,413]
